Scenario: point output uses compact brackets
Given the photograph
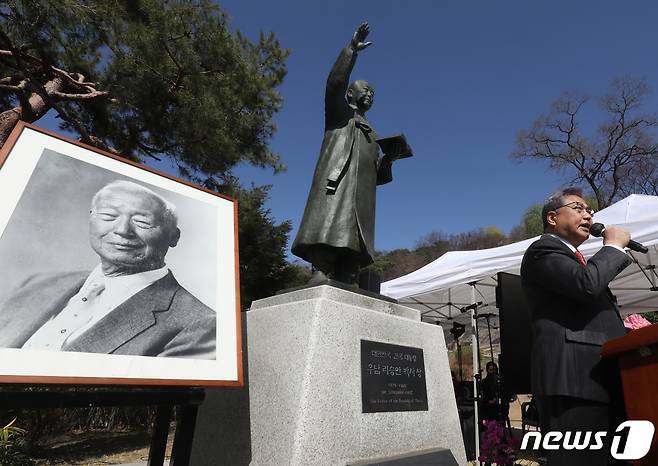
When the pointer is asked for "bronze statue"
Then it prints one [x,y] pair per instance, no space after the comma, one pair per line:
[337,231]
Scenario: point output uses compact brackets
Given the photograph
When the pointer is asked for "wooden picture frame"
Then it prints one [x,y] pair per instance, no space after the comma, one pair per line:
[153,328]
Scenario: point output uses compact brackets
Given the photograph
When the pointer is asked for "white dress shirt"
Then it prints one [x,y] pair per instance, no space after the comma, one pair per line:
[573,248]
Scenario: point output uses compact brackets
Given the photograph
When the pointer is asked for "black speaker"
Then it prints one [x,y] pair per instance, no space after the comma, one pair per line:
[515,334]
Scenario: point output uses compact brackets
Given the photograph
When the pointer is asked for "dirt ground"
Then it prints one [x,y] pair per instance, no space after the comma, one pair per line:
[99,448]
[106,448]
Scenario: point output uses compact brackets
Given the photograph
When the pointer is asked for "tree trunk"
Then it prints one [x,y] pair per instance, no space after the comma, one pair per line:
[38,107]
[8,120]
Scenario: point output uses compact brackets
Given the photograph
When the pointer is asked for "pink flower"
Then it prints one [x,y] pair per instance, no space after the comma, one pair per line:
[635,321]
[496,445]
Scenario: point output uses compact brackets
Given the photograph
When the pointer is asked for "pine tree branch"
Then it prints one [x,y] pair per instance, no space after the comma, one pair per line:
[80,128]
[15,89]
[80,97]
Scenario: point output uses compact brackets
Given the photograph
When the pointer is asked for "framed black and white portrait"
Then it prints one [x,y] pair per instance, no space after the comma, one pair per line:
[113,273]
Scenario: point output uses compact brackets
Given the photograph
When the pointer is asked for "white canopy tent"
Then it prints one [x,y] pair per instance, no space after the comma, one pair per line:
[460,278]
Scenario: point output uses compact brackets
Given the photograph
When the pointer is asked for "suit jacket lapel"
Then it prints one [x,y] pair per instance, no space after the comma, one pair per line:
[127,320]
[563,246]
[611,297]
[35,305]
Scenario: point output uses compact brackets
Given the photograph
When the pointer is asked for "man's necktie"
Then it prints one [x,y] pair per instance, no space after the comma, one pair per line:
[580,257]
[365,127]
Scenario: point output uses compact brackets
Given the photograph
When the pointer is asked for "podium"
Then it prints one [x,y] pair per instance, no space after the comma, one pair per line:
[637,354]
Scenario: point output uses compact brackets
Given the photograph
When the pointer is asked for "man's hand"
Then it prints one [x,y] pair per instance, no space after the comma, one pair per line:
[359,36]
[616,236]
[387,159]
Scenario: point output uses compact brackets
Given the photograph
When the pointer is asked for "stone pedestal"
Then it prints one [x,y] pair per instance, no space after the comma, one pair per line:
[302,405]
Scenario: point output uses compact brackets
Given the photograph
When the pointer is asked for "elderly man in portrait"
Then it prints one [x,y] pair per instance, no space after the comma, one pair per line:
[130,303]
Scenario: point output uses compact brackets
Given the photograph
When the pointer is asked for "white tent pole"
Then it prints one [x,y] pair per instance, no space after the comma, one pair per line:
[476,370]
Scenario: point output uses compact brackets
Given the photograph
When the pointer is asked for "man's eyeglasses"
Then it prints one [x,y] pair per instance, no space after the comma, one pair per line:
[578,207]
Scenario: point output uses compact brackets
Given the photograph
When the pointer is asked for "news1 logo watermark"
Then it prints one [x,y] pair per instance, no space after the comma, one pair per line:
[631,440]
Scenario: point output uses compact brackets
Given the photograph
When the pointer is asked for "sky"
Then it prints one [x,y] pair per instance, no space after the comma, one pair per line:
[459,79]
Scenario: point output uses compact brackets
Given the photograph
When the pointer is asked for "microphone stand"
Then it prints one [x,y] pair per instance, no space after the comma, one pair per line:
[459,359]
[644,268]
[487,316]
[499,379]
[457,331]
[477,378]
[477,386]
[474,307]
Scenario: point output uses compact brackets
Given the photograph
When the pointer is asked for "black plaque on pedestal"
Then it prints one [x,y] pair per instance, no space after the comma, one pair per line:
[392,378]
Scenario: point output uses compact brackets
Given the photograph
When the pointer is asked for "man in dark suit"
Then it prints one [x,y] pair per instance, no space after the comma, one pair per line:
[573,313]
[130,304]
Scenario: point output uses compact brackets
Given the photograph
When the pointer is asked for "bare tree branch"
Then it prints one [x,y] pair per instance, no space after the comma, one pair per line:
[606,160]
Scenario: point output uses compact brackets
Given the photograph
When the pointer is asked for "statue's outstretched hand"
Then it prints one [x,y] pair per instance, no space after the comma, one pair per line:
[359,36]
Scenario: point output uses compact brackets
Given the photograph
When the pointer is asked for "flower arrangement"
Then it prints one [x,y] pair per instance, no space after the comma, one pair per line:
[496,445]
[635,321]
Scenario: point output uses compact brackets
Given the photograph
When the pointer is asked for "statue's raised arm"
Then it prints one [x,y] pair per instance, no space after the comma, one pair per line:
[359,36]
[336,110]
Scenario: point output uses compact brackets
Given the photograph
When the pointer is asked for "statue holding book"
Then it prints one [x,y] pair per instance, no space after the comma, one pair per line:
[337,232]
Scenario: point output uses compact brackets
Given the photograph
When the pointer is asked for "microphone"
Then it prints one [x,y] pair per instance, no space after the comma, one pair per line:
[471,307]
[597,230]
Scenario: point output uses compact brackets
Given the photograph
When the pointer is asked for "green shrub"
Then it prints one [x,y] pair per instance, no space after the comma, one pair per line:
[11,443]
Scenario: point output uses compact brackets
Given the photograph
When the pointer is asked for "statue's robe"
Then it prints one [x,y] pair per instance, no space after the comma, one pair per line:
[340,210]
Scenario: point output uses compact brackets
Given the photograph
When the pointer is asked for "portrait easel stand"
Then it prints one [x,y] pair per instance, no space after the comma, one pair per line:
[186,400]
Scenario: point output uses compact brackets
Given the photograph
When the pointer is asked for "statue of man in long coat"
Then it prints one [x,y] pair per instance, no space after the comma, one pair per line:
[337,232]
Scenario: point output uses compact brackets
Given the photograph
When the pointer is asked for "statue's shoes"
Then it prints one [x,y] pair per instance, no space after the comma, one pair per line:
[318,278]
